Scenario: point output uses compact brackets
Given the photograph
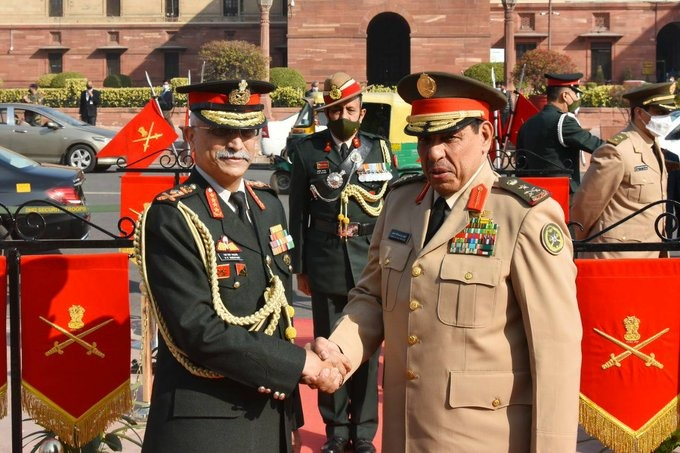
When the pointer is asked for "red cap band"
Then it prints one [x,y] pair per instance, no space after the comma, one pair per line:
[199,97]
[448,105]
[346,93]
[562,83]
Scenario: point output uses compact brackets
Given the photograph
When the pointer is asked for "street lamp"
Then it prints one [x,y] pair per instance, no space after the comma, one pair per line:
[509,54]
[550,13]
[265,6]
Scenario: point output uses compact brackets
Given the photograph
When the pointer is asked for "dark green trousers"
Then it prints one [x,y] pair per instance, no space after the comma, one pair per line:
[352,411]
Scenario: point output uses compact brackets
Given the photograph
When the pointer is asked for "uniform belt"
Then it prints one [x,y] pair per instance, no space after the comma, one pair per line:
[353,228]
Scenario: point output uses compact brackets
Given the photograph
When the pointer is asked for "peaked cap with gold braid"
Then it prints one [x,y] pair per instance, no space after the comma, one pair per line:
[443,102]
[229,104]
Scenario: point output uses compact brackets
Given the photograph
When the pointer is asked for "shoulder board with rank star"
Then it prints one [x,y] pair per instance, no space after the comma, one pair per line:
[618,138]
[406,179]
[176,193]
[530,193]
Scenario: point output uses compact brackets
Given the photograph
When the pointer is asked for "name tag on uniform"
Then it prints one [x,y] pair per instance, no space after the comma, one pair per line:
[641,168]
[399,236]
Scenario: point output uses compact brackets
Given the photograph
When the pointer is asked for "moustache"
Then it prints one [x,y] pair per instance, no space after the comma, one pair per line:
[229,154]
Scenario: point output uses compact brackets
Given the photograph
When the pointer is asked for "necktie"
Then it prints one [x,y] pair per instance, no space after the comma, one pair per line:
[344,150]
[437,216]
[239,199]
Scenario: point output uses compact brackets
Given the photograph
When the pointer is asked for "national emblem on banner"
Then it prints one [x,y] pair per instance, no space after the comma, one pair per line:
[75,337]
[143,136]
[631,350]
[3,337]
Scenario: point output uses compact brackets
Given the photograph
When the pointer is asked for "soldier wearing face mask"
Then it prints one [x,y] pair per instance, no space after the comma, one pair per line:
[627,174]
[551,140]
[339,178]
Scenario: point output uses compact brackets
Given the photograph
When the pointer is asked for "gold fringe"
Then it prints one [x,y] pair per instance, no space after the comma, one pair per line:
[613,434]
[3,400]
[72,431]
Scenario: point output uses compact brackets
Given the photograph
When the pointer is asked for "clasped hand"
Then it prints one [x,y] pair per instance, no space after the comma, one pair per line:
[325,367]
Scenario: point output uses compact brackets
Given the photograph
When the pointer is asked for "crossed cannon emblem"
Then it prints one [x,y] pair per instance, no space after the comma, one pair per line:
[76,312]
[632,323]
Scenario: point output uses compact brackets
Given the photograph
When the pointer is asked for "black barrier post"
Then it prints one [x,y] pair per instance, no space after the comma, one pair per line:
[13,257]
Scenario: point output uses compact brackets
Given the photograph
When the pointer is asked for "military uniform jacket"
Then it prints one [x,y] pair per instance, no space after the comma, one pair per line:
[195,414]
[332,263]
[482,353]
[625,175]
[556,141]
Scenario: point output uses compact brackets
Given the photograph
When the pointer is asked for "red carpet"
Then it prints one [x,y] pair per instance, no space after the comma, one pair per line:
[313,433]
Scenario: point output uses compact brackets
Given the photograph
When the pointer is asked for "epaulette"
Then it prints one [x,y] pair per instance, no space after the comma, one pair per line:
[372,135]
[530,193]
[618,138]
[407,178]
[176,193]
[259,185]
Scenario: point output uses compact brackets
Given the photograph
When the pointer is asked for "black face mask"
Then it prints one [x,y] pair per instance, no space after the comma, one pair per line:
[343,129]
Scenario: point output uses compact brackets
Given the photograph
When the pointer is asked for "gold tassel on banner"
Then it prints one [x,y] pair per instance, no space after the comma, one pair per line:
[619,437]
[71,431]
[3,401]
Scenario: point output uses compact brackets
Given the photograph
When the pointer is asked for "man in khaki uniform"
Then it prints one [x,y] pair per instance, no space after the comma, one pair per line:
[626,174]
[480,322]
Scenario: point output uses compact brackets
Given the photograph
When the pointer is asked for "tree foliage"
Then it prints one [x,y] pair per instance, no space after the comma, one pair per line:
[287,77]
[59,81]
[537,63]
[482,72]
[226,60]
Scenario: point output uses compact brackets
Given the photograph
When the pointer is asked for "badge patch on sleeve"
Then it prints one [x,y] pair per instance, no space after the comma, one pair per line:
[552,238]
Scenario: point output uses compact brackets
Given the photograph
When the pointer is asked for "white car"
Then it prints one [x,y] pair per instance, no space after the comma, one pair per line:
[274,135]
[672,141]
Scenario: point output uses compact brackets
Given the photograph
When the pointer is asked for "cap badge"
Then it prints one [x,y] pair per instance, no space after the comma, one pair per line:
[240,96]
[335,93]
[426,85]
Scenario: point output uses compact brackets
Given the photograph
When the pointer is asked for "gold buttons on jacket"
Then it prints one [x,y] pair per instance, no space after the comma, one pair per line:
[468,276]
[268,260]
[413,339]
[496,402]
[237,284]
[414,305]
[387,261]
[411,375]
[416,271]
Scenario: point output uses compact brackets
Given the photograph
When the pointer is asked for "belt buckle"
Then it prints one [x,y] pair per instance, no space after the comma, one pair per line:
[352,230]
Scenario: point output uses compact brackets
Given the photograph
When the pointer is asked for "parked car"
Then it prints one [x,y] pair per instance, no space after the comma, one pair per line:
[671,142]
[274,135]
[385,115]
[49,135]
[23,180]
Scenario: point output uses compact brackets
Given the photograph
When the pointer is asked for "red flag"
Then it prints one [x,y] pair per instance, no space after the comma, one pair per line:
[524,110]
[75,340]
[138,190]
[631,350]
[144,135]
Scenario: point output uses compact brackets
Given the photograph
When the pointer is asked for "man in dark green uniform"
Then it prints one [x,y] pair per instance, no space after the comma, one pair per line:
[339,178]
[552,139]
[214,254]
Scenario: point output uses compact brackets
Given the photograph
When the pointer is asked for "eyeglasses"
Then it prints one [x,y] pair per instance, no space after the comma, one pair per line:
[221,132]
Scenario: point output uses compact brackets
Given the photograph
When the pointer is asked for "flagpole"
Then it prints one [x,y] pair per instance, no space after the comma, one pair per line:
[516,92]
[158,105]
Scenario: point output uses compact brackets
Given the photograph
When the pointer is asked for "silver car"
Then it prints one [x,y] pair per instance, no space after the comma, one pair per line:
[47,135]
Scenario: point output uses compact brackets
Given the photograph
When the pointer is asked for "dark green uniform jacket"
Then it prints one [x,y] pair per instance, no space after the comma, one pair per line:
[332,263]
[196,414]
[555,145]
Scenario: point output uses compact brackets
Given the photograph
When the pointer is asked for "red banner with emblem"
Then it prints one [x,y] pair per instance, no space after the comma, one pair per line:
[141,137]
[75,337]
[524,110]
[138,190]
[631,350]
[3,337]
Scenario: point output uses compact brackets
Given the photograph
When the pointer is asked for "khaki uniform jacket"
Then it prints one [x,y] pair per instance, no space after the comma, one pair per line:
[626,174]
[482,353]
